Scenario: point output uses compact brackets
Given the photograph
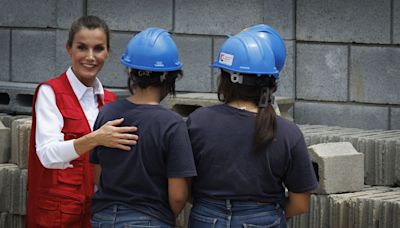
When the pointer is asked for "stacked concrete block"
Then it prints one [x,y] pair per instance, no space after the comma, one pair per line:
[5,143]
[8,172]
[20,97]
[12,221]
[12,195]
[344,115]
[20,133]
[371,207]
[185,103]
[340,167]
[381,149]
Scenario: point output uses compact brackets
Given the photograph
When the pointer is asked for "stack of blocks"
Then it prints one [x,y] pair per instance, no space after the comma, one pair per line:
[14,139]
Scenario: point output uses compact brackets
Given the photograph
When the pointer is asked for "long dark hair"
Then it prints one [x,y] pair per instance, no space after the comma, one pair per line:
[266,116]
[89,22]
[144,79]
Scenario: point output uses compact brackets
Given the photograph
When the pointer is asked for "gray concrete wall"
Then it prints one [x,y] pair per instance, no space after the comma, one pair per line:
[342,55]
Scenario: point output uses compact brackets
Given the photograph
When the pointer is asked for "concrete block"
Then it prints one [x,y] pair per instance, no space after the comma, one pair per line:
[195,53]
[185,103]
[366,64]
[321,72]
[6,176]
[133,15]
[113,73]
[312,18]
[281,16]
[217,44]
[340,167]
[5,55]
[397,161]
[20,97]
[68,11]
[20,133]
[28,13]
[8,119]
[63,61]
[345,115]
[286,84]
[33,55]
[396,22]
[5,142]
[217,17]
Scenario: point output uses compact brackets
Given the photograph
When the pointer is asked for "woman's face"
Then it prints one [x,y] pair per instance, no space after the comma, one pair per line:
[88,53]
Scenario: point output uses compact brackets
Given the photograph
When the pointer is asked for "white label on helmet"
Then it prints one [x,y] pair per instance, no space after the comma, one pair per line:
[159,64]
[225,59]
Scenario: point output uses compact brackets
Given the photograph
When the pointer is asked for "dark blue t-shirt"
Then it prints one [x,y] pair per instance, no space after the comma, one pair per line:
[139,178]
[222,140]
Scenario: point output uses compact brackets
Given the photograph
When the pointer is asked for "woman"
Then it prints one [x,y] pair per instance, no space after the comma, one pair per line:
[244,153]
[60,178]
[149,186]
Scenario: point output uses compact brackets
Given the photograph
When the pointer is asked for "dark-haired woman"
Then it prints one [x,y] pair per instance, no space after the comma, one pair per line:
[245,154]
[60,177]
[147,187]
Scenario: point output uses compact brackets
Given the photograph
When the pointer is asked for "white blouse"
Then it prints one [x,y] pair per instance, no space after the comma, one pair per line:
[52,150]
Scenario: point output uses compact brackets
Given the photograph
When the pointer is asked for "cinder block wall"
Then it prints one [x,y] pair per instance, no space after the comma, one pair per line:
[342,67]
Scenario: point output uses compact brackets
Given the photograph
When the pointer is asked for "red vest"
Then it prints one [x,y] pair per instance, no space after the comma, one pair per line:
[56,197]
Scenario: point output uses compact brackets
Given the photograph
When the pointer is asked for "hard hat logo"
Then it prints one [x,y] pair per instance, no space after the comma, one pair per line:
[226,59]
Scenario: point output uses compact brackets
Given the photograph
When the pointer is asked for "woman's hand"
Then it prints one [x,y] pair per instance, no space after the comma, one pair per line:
[109,135]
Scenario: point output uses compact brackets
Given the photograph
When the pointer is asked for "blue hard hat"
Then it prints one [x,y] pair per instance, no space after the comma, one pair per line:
[246,53]
[153,49]
[273,39]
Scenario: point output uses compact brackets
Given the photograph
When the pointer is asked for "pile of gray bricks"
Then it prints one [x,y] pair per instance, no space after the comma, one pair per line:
[14,139]
[381,149]
[375,207]
[338,203]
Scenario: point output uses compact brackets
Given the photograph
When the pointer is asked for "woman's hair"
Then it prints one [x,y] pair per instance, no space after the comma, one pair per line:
[144,79]
[89,22]
[266,117]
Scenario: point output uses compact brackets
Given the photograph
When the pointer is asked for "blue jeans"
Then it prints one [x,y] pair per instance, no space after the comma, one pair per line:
[118,216]
[229,213]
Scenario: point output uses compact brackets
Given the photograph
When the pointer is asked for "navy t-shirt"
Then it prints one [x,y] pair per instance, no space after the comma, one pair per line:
[222,142]
[139,178]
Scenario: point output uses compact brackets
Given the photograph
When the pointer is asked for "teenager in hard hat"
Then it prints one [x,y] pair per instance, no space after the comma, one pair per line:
[147,187]
[60,178]
[245,154]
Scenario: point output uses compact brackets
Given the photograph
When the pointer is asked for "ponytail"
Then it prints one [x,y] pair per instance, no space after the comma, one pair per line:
[265,127]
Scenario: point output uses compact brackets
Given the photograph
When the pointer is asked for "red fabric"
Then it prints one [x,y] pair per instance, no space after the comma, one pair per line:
[61,198]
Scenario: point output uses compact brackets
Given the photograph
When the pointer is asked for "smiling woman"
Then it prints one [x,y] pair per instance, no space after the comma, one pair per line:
[60,178]
[88,53]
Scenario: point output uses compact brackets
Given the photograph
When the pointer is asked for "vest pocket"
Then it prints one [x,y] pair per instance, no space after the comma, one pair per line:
[71,213]
[55,211]
[71,177]
[48,214]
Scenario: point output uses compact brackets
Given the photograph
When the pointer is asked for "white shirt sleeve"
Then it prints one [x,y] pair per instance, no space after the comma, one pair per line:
[52,150]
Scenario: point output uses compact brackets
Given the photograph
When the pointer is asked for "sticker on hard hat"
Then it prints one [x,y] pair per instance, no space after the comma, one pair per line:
[225,59]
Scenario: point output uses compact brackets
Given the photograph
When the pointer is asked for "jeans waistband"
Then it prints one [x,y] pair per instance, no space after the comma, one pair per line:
[231,203]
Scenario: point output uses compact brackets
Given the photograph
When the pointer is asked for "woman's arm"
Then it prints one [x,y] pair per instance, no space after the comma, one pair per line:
[55,153]
[178,193]
[297,203]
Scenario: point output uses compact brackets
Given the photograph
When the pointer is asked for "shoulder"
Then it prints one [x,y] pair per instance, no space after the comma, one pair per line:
[203,111]
[288,130]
